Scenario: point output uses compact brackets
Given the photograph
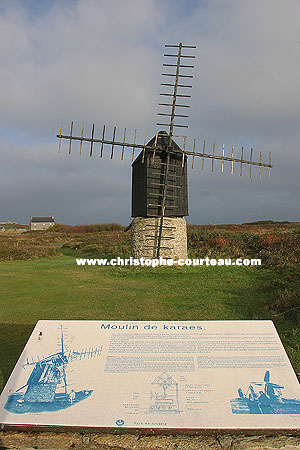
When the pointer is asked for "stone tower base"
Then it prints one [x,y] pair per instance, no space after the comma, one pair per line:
[145,234]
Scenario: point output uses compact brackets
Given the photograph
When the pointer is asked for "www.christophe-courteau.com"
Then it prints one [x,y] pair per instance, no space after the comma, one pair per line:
[156,262]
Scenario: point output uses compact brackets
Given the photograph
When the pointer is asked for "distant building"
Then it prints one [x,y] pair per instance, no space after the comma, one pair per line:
[41,223]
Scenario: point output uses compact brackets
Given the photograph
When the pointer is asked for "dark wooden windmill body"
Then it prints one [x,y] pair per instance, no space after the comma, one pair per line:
[151,176]
[159,173]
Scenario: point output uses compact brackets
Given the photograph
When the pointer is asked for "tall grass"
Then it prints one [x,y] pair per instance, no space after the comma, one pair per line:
[279,251]
[93,228]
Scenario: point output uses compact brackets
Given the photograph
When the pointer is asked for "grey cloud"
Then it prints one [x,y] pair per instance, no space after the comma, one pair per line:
[100,61]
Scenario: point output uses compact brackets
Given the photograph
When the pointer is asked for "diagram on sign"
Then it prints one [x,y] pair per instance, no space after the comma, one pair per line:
[49,387]
[264,397]
[169,395]
[164,395]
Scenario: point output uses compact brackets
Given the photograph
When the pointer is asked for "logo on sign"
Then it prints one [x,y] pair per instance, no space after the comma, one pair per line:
[120,422]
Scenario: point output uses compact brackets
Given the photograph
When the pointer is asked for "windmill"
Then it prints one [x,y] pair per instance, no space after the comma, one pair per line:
[164,395]
[159,173]
[264,397]
[48,387]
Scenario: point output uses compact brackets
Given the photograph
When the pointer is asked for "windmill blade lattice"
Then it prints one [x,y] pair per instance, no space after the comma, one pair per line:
[154,147]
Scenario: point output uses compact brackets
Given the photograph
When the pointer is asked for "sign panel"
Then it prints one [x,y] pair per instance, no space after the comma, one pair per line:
[181,376]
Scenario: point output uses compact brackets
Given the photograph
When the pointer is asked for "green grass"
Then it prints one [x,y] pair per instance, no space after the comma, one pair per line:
[58,289]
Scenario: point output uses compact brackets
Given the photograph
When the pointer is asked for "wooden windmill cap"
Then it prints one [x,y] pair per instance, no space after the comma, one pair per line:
[163,142]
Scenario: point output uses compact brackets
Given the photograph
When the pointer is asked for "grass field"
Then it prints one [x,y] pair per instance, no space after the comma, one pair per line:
[40,280]
[55,288]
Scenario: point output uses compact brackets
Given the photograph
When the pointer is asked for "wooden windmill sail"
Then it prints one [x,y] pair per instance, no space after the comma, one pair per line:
[159,181]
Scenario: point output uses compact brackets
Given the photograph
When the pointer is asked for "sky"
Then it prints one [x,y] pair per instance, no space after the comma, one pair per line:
[100,61]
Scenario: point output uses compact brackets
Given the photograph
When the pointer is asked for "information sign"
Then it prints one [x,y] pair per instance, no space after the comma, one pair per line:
[172,376]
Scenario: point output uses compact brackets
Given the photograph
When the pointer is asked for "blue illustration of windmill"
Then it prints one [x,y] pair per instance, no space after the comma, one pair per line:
[164,395]
[48,387]
[264,397]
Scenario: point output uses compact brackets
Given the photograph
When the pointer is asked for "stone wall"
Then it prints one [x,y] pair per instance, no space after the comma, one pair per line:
[145,235]
[39,226]
[79,441]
